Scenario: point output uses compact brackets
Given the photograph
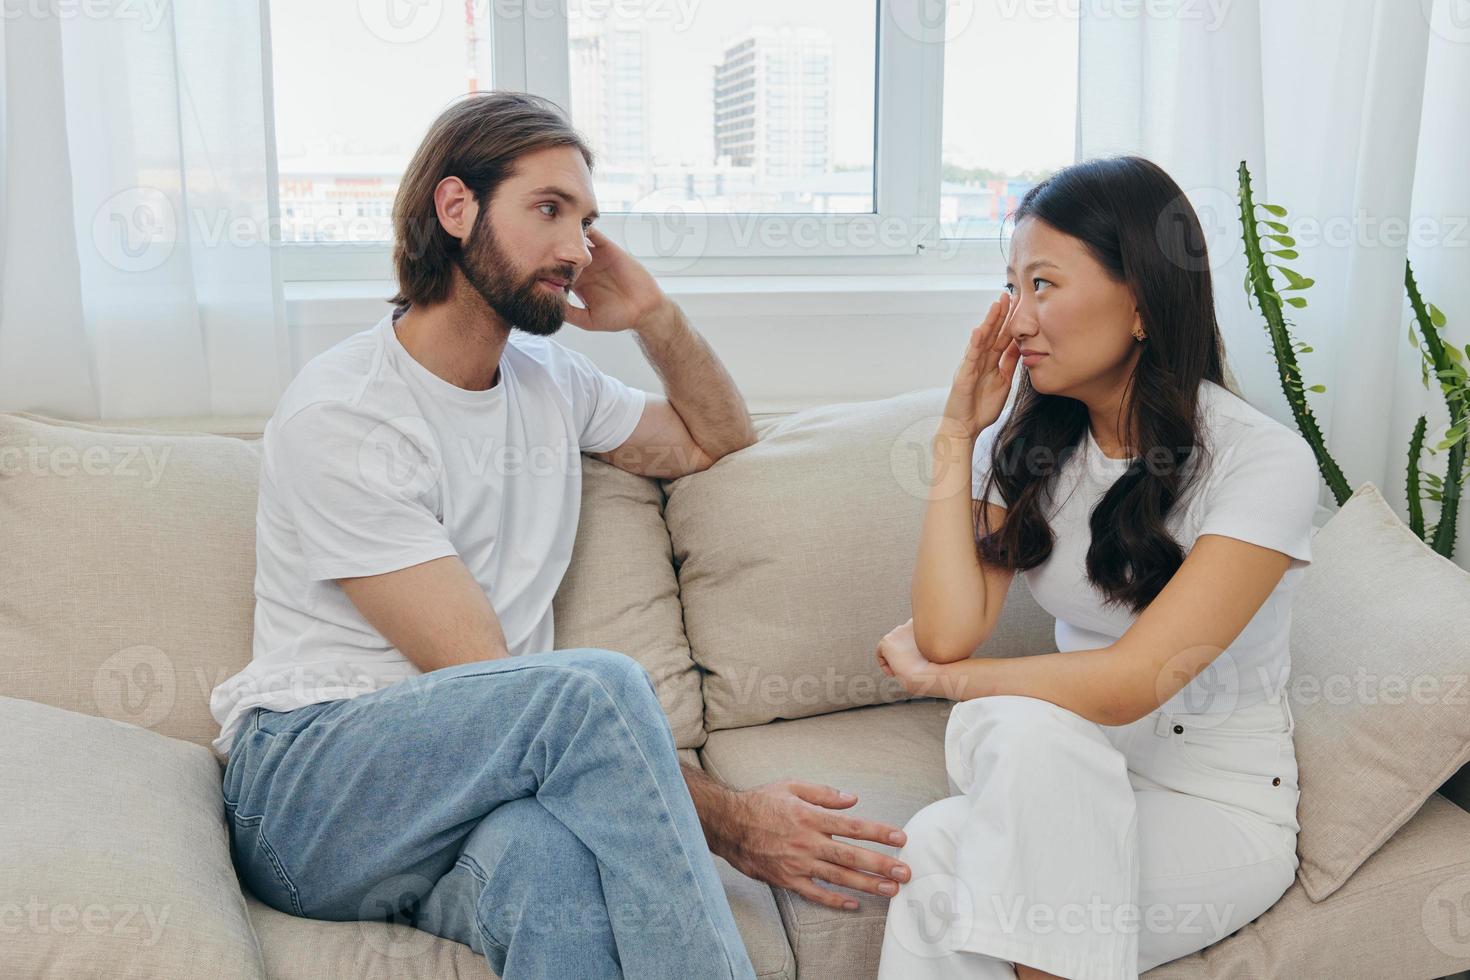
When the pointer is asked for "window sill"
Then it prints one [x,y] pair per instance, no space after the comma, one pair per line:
[312,303]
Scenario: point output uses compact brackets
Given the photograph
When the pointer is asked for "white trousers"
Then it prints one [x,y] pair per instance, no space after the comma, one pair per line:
[1093,852]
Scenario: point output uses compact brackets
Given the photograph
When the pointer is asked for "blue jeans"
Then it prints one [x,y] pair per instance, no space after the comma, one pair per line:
[531,808]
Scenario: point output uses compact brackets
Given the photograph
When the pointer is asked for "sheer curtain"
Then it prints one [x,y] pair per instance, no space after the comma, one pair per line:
[1353,115]
[134,243]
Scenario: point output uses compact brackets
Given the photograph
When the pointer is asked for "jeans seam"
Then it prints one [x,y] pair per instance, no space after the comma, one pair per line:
[473,867]
[276,865]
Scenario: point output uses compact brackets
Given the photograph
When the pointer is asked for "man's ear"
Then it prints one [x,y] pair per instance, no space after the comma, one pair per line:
[456,207]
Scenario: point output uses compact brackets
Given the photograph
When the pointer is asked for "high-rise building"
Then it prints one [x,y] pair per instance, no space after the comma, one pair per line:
[773,102]
[609,82]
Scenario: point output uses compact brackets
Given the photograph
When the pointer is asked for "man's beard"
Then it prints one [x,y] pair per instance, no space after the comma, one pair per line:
[522,304]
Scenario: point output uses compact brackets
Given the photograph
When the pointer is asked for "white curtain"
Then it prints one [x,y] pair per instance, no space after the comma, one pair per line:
[1355,116]
[135,262]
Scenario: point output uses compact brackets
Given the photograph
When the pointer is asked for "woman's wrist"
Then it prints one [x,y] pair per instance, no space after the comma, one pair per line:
[957,681]
[952,430]
[951,473]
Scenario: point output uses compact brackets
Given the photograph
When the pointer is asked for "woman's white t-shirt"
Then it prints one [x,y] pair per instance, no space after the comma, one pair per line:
[372,463]
[1260,486]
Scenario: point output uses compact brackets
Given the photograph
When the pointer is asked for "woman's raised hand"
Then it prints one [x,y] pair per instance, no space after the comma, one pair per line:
[982,382]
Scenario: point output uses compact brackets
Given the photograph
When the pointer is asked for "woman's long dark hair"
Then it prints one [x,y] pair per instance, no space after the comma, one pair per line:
[1137,223]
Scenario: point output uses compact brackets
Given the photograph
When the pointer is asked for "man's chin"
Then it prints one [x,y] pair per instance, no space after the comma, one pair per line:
[539,330]
[540,321]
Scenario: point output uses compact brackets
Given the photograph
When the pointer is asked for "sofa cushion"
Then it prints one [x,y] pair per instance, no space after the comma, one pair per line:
[1400,915]
[620,593]
[116,859]
[314,949]
[311,949]
[127,568]
[1380,657]
[891,756]
[795,556]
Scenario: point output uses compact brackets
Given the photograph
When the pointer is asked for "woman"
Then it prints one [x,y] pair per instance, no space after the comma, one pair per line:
[1132,797]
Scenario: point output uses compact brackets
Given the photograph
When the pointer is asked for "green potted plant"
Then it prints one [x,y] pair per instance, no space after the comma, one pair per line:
[1268,245]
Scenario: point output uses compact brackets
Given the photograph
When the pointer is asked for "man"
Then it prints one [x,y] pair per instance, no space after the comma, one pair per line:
[405,742]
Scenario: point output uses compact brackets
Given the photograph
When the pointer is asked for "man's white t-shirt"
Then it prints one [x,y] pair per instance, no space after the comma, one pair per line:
[1260,486]
[372,463]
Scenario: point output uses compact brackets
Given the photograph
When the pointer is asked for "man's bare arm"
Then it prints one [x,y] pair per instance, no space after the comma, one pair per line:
[695,381]
[434,613]
[701,417]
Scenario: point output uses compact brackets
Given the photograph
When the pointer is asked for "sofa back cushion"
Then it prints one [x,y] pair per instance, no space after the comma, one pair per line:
[620,593]
[795,556]
[127,568]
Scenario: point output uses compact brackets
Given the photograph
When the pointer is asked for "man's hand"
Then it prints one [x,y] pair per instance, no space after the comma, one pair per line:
[618,292]
[782,833]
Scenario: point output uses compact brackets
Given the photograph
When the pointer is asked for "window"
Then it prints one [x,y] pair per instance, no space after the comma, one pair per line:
[690,77]
[356,86]
[732,135]
[1010,109]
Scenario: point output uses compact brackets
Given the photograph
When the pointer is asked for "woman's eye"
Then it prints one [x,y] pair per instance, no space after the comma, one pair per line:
[1038,280]
[1011,288]
[551,213]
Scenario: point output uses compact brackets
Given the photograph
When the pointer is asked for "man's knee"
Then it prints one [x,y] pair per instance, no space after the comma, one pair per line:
[622,677]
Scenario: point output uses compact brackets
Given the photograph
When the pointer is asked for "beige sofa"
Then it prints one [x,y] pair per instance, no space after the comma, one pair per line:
[754,593]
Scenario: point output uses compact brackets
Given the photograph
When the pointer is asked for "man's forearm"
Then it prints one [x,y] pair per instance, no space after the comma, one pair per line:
[696,383]
[715,803]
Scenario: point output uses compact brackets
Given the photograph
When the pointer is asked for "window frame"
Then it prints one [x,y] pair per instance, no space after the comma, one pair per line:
[903,235]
